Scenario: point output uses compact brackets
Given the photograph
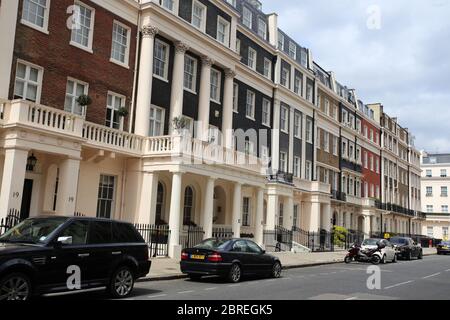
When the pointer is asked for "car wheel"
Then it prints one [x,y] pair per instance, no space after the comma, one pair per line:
[408,256]
[194,277]
[15,286]
[420,257]
[383,260]
[395,259]
[235,273]
[376,260]
[122,282]
[276,270]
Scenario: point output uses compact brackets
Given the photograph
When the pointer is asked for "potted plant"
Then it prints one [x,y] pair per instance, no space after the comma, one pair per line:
[123,112]
[179,123]
[84,100]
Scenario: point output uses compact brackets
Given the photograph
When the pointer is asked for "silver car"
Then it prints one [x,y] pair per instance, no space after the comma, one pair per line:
[388,252]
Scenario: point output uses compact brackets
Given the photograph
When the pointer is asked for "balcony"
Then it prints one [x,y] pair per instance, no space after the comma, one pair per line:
[312,186]
[338,195]
[47,120]
[282,177]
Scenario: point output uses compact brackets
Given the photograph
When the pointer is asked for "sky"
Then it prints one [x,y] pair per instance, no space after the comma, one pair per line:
[393,52]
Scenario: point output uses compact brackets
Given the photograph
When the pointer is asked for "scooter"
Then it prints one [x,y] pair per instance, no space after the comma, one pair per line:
[369,255]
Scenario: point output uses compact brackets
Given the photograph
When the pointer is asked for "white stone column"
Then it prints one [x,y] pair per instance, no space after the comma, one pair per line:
[145,81]
[366,226]
[237,204]
[233,33]
[177,92]
[272,212]
[288,213]
[149,193]
[14,168]
[303,159]
[326,216]
[175,214]
[314,221]
[291,140]
[68,187]
[227,116]
[204,99]
[276,136]
[259,218]
[208,208]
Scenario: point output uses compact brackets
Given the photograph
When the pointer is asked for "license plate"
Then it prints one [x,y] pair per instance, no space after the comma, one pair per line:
[197,257]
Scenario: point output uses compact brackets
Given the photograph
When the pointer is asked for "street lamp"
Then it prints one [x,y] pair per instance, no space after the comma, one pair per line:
[31,162]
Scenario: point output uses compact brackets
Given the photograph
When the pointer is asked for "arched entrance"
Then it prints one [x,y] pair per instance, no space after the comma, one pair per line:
[188,209]
[335,219]
[159,217]
[219,206]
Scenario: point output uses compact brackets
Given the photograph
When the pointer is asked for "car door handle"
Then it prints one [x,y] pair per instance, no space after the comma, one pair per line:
[83,255]
[116,253]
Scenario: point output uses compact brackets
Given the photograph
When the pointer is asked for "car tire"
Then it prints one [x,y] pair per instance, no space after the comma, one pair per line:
[19,283]
[276,270]
[235,274]
[376,260]
[122,283]
[383,260]
[194,277]
[395,259]
[408,256]
[420,257]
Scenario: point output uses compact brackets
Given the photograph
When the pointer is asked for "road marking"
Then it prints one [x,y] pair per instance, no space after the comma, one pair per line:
[157,296]
[352,298]
[209,289]
[432,275]
[234,285]
[184,292]
[448,270]
[287,278]
[398,285]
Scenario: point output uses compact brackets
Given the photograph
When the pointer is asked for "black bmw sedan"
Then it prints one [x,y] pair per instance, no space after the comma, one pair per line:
[407,248]
[228,258]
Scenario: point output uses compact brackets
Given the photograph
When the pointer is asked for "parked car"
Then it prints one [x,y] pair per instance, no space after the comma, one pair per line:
[61,254]
[407,248]
[443,247]
[387,249]
[230,259]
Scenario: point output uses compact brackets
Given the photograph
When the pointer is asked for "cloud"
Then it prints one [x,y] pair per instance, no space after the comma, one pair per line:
[404,64]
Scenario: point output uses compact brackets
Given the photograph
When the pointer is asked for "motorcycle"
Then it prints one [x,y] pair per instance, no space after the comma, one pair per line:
[369,255]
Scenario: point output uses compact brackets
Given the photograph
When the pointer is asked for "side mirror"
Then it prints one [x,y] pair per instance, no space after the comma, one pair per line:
[263,251]
[64,241]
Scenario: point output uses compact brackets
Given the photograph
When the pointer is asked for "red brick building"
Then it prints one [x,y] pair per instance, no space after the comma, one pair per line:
[65,62]
[371,160]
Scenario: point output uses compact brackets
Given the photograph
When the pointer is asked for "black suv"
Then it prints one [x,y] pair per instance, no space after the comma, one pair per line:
[407,248]
[62,254]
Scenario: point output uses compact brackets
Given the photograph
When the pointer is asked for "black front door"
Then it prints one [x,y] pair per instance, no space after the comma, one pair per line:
[26,199]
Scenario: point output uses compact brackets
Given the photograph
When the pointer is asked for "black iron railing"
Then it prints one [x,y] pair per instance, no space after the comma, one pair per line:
[190,236]
[11,220]
[157,238]
[282,177]
[222,233]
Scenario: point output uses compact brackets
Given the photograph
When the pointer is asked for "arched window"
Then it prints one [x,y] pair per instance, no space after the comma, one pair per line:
[160,204]
[188,205]
[335,219]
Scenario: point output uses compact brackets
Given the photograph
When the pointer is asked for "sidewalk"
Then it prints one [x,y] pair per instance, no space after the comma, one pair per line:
[167,269]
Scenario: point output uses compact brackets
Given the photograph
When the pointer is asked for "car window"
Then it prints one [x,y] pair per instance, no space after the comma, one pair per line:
[100,232]
[33,230]
[78,230]
[253,247]
[240,246]
[217,244]
[370,242]
[125,233]
[401,241]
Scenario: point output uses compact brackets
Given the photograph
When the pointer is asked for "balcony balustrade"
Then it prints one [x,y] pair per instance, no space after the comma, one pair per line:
[46,119]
